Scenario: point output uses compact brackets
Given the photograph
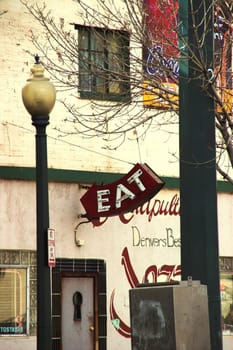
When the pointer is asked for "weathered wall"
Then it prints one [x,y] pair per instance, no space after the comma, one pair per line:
[158,149]
[148,237]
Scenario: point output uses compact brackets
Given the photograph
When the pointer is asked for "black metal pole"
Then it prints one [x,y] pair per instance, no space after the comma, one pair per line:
[198,196]
[44,324]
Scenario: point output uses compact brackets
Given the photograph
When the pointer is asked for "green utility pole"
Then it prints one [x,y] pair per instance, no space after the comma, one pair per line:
[198,196]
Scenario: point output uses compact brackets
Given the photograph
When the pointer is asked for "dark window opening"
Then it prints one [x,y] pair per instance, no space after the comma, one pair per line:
[103,63]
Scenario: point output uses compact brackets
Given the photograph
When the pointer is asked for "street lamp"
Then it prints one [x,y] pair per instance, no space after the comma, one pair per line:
[39,98]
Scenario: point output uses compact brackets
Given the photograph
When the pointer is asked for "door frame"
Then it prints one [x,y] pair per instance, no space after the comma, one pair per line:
[95,268]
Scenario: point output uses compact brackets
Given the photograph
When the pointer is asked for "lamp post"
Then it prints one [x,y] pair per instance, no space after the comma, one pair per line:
[39,98]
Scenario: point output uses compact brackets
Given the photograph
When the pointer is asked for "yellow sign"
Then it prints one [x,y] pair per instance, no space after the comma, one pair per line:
[166,97]
[226,96]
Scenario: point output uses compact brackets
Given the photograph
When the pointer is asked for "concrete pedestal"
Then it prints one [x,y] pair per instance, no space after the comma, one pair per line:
[170,317]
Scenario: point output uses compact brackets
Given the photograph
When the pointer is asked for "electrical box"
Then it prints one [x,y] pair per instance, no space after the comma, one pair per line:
[170,317]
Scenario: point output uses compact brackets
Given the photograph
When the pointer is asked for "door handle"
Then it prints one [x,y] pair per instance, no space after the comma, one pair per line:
[92,328]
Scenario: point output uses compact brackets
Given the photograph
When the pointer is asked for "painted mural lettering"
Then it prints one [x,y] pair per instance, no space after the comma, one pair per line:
[157,207]
[169,240]
[152,208]
[170,271]
[124,195]
[152,273]
[122,192]
[157,63]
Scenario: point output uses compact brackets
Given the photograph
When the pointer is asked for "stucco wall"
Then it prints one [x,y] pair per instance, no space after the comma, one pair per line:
[159,149]
[141,239]
[148,237]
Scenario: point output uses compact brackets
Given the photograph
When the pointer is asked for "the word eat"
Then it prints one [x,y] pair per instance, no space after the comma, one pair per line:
[122,192]
[124,195]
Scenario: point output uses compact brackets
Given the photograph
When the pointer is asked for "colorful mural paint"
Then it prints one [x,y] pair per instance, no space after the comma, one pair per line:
[161,56]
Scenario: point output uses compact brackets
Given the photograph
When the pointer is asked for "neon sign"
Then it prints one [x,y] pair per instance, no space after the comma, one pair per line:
[124,195]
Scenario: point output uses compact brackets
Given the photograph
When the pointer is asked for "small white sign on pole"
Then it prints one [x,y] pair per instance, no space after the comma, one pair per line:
[51,248]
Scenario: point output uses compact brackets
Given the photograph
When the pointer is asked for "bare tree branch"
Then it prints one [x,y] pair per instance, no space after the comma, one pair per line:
[152,70]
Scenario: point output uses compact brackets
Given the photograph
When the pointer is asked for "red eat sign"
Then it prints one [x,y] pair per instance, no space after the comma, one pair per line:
[124,195]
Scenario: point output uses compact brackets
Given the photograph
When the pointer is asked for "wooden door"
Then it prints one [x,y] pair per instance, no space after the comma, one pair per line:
[78,319]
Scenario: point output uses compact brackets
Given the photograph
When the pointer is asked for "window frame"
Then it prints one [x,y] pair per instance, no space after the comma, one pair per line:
[27,304]
[124,95]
